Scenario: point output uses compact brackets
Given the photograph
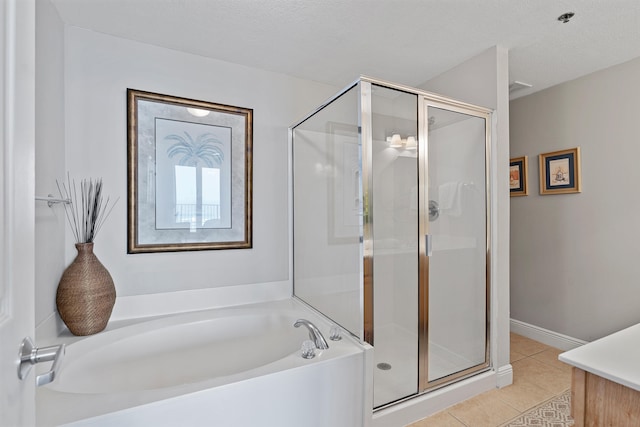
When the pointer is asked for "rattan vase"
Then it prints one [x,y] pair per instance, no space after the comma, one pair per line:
[86,293]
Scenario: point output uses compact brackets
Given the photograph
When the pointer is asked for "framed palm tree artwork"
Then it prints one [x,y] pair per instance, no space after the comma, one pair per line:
[189,174]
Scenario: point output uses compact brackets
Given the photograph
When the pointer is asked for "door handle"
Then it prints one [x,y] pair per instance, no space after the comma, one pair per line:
[428,244]
[31,355]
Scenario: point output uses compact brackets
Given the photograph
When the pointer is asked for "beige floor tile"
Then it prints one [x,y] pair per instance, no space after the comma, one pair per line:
[524,395]
[538,375]
[544,376]
[485,410]
[514,355]
[441,419]
[527,346]
[550,357]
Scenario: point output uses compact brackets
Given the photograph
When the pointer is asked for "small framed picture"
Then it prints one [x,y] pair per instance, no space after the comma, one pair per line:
[560,172]
[518,173]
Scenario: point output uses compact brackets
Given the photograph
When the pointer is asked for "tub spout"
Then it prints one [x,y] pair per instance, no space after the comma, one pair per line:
[314,334]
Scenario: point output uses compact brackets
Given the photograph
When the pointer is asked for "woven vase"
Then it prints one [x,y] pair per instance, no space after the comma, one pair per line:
[86,293]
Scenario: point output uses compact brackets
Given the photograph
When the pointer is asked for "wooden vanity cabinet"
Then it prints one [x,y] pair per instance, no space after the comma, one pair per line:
[599,402]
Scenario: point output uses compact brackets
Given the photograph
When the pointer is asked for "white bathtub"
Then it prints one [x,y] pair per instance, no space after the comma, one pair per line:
[238,366]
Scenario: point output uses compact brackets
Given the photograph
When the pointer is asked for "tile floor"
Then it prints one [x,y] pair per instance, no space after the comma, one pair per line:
[538,375]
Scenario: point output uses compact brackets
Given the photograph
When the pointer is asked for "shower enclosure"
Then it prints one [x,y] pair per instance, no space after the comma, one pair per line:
[390,230]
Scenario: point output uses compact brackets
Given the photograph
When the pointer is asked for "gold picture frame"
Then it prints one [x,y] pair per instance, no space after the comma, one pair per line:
[560,172]
[189,174]
[519,176]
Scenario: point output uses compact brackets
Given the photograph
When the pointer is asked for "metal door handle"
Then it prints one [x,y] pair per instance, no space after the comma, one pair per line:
[30,355]
[427,243]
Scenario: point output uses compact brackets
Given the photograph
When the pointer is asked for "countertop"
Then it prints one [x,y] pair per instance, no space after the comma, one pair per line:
[615,357]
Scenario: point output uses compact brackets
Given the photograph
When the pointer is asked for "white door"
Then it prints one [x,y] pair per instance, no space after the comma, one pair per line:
[17,178]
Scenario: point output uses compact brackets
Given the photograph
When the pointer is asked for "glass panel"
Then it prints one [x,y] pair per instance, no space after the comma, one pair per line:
[395,243]
[327,202]
[457,266]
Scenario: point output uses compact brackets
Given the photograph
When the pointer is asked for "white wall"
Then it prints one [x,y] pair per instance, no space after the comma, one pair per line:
[574,257]
[484,80]
[97,71]
[50,158]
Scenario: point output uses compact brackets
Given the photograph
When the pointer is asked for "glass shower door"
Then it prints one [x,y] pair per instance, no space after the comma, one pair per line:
[454,222]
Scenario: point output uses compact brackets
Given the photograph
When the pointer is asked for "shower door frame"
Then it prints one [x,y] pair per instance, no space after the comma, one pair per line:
[426,100]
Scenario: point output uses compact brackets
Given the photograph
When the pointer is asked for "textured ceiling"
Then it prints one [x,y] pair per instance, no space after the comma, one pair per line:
[405,41]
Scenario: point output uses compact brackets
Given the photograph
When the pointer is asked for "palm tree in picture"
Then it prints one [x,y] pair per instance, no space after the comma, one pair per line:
[205,150]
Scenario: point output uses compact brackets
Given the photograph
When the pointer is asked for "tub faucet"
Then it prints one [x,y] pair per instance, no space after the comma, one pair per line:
[314,334]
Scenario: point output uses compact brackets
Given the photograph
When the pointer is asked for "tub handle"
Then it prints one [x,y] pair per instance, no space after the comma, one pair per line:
[31,355]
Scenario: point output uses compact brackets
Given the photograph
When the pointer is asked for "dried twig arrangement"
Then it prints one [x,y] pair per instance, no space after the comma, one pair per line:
[87,211]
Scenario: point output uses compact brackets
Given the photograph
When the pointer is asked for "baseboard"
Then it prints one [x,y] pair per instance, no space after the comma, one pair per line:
[545,336]
[504,376]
